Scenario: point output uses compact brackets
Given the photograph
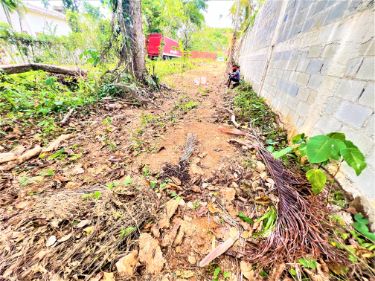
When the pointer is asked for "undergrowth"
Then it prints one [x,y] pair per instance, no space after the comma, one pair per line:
[251,109]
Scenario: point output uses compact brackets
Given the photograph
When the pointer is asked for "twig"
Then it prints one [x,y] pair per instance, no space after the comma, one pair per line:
[67,116]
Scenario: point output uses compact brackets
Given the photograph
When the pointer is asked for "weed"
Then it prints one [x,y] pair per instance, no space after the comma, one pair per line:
[146,171]
[186,106]
[49,172]
[24,181]
[245,218]
[92,195]
[249,107]
[125,232]
[128,181]
[111,185]
[196,204]
[58,155]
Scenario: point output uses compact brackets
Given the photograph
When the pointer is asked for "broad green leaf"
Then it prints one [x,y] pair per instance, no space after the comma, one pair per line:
[319,148]
[337,146]
[355,159]
[281,153]
[302,149]
[317,179]
[245,218]
[337,135]
[300,138]
[308,263]
[360,225]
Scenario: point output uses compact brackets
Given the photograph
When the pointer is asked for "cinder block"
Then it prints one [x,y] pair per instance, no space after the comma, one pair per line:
[367,97]
[302,78]
[353,114]
[328,124]
[353,66]
[315,81]
[302,65]
[314,66]
[350,89]
[315,51]
[336,11]
[366,71]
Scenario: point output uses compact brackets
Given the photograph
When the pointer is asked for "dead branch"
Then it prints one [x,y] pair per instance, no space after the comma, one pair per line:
[67,116]
[20,68]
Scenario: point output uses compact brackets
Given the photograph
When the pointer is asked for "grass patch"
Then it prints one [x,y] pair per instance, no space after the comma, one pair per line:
[250,108]
[162,68]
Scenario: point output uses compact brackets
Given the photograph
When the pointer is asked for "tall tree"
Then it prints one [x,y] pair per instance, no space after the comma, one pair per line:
[128,18]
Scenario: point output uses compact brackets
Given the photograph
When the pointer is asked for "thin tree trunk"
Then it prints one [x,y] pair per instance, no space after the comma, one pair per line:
[133,21]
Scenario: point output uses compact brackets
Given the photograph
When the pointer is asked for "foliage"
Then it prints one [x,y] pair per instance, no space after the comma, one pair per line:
[322,150]
[173,18]
[360,225]
[245,218]
[211,39]
[308,263]
[269,221]
[250,108]
[163,68]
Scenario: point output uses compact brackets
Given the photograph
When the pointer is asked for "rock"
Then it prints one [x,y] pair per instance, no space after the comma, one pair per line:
[192,260]
[190,205]
[170,208]
[83,223]
[260,167]
[65,238]
[247,271]
[205,185]
[150,254]
[108,276]
[51,241]
[126,265]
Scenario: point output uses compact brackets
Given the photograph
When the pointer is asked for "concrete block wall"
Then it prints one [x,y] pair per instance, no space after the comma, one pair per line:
[314,62]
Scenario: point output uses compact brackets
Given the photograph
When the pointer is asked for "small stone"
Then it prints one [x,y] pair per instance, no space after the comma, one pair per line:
[51,241]
[192,260]
[260,167]
[205,185]
[190,205]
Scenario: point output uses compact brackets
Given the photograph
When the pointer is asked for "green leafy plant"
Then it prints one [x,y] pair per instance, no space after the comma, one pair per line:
[361,225]
[125,232]
[269,221]
[92,195]
[321,150]
[308,263]
[245,218]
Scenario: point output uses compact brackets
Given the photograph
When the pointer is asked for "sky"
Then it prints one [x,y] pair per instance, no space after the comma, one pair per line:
[217,14]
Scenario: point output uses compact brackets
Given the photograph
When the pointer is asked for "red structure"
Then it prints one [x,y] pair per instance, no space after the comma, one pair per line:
[159,45]
[203,55]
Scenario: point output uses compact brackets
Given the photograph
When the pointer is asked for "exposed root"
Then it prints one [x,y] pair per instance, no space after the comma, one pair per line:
[181,170]
[301,228]
[63,234]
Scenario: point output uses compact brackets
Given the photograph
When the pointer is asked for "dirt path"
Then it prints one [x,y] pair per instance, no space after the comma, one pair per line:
[73,213]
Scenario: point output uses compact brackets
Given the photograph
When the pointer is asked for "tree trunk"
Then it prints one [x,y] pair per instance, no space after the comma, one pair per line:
[131,10]
[19,68]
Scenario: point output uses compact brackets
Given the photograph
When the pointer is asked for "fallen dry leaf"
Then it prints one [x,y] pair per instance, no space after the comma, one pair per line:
[277,272]
[247,271]
[126,265]
[170,208]
[150,254]
[185,274]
